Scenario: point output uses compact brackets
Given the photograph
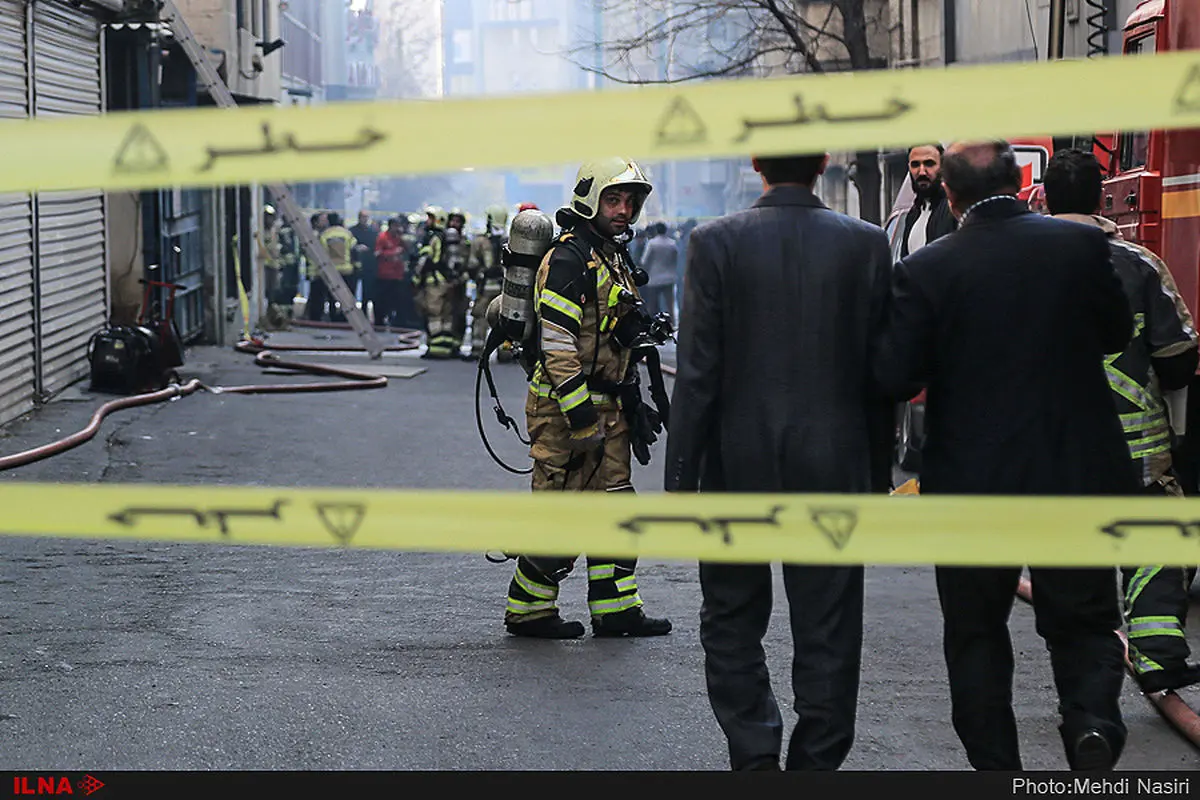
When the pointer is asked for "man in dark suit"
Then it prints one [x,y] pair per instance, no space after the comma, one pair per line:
[1006,324]
[781,303]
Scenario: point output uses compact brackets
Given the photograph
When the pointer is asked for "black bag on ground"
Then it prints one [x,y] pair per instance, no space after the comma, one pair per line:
[123,361]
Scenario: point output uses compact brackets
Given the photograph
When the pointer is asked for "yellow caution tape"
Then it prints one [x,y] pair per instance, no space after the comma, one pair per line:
[243,300]
[842,112]
[815,529]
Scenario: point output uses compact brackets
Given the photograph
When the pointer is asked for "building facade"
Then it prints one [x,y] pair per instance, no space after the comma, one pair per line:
[505,47]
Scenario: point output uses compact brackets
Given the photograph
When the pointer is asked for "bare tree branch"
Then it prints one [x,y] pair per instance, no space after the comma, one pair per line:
[773,6]
[729,69]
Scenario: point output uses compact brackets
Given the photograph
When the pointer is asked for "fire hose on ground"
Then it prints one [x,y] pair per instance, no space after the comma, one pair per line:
[264,356]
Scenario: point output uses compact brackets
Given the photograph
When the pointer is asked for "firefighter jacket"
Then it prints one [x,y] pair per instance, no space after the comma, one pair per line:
[458,254]
[269,246]
[289,248]
[485,265]
[339,244]
[431,268]
[1163,332]
[576,300]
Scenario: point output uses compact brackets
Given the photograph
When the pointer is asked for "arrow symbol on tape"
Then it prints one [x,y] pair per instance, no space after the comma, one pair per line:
[1122,528]
[637,525]
[130,517]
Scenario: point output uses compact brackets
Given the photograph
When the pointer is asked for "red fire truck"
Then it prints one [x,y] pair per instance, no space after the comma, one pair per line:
[1154,192]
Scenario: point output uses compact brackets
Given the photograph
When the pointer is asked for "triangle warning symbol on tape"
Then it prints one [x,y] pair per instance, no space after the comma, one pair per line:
[342,519]
[836,523]
[1188,98]
[140,152]
[681,124]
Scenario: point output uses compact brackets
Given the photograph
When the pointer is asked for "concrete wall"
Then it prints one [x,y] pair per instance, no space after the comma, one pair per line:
[214,23]
[125,261]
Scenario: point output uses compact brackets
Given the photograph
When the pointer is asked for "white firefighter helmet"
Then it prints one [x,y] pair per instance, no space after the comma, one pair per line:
[596,176]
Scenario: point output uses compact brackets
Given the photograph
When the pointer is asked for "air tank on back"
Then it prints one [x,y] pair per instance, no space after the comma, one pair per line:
[529,237]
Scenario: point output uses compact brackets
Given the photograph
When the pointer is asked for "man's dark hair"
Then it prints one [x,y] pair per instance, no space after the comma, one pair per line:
[334,218]
[660,228]
[1074,182]
[936,146]
[791,169]
[971,183]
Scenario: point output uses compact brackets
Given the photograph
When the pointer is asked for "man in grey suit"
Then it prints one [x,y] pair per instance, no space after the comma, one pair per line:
[774,394]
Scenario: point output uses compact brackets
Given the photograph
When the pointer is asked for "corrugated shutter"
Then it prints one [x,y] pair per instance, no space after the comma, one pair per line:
[16,232]
[71,265]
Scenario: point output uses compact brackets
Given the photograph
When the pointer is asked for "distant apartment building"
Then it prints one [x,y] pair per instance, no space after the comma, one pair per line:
[498,47]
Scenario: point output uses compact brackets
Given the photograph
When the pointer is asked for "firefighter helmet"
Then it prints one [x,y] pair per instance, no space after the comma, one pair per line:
[457,212]
[439,215]
[497,216]
[596,176]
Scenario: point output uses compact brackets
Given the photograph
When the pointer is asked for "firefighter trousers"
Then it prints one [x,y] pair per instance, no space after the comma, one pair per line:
[436,301]
[612,585]
[1156,608]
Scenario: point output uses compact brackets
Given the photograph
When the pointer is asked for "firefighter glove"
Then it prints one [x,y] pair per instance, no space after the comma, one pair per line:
[644,429]
[585,440]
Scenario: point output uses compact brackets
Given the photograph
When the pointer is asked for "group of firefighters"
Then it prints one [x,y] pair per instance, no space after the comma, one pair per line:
[427,264]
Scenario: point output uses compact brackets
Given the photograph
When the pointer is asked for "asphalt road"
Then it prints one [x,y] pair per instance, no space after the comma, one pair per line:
[118,655]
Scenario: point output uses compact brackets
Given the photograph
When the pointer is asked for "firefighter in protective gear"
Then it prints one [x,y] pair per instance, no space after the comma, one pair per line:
[339,244]
[579,437]
[458,257]
[488,274]
[273,258]
[1162,356]
[434,284]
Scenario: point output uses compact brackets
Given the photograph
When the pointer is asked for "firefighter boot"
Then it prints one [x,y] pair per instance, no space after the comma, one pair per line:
[1168,680]
[614,601]
[531,610]
[553,627]
[631,622]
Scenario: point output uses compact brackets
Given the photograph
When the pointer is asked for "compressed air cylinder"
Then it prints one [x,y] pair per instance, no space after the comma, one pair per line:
[529,238]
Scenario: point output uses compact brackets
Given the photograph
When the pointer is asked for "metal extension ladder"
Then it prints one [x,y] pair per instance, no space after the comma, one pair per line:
[211,81]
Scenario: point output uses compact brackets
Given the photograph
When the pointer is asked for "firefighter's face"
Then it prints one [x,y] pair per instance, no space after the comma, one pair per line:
[925,169]
[617,209]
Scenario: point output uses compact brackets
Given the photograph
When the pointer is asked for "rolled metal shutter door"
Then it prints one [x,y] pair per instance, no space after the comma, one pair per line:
[17,322]
[72,271]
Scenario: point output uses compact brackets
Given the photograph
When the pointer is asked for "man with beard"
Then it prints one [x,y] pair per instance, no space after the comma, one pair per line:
[930,217]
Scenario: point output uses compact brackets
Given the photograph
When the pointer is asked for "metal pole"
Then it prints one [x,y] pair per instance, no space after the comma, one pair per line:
[1057,29]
